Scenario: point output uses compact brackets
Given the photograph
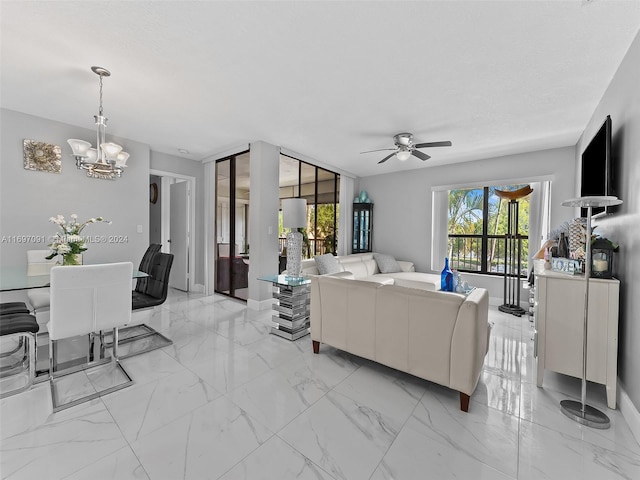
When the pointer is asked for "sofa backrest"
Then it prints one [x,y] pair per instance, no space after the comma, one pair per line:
[360,264]
[349,309]
[438,336]
[414,330]
[308,267]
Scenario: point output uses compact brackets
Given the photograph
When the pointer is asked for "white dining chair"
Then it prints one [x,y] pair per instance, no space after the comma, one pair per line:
[37,264]
[87,299]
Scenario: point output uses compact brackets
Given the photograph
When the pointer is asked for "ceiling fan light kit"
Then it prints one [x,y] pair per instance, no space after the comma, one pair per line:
[403,155]
[405,148]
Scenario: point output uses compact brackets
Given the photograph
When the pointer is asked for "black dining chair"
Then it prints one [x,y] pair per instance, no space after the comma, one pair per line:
[21,329]
[11,308]
[154,291]
[138,337]
[145,265]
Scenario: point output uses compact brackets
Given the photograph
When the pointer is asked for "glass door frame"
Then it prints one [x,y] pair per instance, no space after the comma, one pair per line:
[230,274]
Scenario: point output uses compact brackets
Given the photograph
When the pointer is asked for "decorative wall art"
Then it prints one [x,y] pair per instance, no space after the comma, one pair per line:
[42,156]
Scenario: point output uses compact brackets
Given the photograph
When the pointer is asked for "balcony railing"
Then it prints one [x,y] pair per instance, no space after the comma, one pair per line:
[467,254]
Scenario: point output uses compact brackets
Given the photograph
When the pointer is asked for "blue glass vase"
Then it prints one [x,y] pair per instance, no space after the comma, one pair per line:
[446,277]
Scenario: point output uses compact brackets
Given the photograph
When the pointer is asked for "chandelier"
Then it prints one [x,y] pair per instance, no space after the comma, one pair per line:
[107,160]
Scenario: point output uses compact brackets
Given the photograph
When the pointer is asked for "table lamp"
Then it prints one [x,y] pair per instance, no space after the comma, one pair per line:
[294,216]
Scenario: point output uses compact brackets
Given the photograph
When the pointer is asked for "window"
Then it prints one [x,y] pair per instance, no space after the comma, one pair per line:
[477,224]
[320,188]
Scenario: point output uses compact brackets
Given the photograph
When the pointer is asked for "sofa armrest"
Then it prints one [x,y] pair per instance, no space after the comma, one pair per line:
[469,341]
[406,266]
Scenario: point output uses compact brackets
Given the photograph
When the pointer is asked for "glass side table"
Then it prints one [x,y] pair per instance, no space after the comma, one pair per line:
[293,297]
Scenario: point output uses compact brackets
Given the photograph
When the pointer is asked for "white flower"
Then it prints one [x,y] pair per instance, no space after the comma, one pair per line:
[60,248]
[74,239]
[70,240]
[58,220]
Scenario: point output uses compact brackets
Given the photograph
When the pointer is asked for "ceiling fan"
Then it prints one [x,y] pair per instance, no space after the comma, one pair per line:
[405,148]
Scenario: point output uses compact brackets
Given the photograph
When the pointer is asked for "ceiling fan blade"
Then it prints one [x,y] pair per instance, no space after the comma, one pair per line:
[386,158]
[433,144]
[380,150]
[420,155]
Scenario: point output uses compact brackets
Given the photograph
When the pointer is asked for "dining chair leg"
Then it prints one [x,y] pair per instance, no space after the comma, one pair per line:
[115,345]
[18,347]
[30,352]
[52,346]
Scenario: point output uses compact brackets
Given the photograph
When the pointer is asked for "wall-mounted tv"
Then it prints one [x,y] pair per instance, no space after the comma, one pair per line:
[597,168]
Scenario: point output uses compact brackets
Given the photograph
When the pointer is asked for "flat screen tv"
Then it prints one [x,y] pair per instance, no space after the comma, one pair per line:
[597,168]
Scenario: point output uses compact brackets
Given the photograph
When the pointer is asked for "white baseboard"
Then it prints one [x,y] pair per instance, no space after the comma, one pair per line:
[495,301]
[259,304]
[197,288]
[629,412]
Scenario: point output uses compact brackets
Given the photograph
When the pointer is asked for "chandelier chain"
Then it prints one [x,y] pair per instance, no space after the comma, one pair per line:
[100,110]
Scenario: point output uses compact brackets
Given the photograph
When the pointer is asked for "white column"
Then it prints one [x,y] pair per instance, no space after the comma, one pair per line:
[345,221]
[263,221]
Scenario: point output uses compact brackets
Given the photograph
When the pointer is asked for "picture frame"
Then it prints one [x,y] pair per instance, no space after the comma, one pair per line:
[42,156]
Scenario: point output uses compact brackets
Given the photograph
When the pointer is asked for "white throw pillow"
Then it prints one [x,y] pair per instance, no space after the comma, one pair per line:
[327,264]
[386,263]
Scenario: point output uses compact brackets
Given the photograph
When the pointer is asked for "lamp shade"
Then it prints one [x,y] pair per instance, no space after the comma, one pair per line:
[79,147]
[121,159]
[403,155]
[294,212]
[111,150]
[92,155]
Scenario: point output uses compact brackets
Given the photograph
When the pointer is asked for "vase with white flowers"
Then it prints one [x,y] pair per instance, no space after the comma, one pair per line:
[69,243]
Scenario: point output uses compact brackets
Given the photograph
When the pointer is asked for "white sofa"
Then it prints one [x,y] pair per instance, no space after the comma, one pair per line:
[438,336]
[363,266]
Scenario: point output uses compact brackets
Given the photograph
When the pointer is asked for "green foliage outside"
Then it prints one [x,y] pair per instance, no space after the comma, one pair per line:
[325,233]
[466,216]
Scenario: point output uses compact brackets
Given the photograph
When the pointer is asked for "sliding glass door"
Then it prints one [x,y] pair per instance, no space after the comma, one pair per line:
[232,226]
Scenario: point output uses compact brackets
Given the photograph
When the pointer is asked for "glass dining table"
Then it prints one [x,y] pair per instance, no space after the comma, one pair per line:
[16,278]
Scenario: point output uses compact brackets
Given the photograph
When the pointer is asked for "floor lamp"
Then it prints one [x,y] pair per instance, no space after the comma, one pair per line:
[512,251]
[294,216]
[580,411]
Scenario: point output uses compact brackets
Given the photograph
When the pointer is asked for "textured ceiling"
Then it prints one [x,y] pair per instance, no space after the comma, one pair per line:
[325,79]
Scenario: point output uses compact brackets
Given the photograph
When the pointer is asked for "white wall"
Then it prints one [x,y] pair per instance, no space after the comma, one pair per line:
[184,166]
[28,198]
[402,215]
[263,222]
[622,102]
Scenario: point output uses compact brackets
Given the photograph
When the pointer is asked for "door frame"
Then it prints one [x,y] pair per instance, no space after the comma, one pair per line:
[232,158]
[165,199]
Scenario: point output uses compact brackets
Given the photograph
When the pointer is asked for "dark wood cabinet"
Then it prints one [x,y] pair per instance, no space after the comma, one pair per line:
[362,227]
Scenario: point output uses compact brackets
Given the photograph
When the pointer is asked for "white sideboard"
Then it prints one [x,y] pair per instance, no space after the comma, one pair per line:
[559,322]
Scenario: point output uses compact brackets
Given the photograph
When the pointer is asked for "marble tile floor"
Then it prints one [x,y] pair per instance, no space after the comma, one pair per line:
[229,401]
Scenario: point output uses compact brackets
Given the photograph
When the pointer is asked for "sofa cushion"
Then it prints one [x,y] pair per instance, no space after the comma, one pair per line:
[355,266]
[420,280]
[386,263]
[327,264]
[381,279]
